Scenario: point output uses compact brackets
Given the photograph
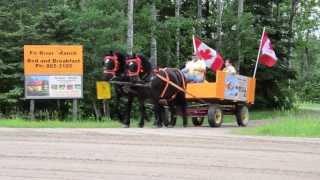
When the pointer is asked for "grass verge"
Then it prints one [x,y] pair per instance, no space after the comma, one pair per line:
[20,123]
[304,122]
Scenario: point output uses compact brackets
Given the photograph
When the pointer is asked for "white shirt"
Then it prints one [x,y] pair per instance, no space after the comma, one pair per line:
[196,68]
[230,69]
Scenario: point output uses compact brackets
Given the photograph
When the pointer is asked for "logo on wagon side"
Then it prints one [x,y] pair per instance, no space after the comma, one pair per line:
[236,87]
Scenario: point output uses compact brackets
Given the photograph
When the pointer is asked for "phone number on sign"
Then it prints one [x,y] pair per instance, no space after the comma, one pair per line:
[59,65]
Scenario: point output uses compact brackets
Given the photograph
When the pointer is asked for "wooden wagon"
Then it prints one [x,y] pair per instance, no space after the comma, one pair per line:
[229,94]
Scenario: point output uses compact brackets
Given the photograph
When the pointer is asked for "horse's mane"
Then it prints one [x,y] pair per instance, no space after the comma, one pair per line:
[122,61]
[147,67]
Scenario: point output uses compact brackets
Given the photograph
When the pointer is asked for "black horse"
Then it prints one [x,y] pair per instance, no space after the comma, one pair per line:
[158,89]
[115,70]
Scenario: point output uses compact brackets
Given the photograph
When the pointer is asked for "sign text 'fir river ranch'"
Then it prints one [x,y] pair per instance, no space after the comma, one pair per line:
[53,59]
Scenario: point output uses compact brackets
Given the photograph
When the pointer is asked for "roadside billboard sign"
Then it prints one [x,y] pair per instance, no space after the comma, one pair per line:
[53,71]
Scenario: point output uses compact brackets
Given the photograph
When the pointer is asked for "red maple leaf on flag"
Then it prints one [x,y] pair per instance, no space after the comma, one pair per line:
[205,54]
[211,57]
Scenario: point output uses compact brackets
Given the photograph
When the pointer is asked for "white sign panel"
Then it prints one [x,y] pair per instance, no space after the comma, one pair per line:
[60,87]
[236,87]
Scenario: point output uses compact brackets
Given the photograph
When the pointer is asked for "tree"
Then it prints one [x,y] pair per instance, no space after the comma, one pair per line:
[108,34]
[199,8]
[14,29]
[220,11]
[153,47]
[307,51]
[294,4]
[130,27]
[177,15]
[163,29]
[240,12]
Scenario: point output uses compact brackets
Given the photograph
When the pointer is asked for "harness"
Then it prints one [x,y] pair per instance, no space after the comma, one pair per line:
[136,61]
[167,80]
[114,59]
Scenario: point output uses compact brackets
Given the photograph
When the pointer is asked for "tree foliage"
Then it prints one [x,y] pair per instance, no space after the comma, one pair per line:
[101,26]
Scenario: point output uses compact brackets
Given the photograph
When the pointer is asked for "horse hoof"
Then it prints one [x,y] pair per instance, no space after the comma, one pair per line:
[169,126]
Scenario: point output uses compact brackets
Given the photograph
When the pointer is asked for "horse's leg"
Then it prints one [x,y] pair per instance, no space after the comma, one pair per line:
[157,111]
[126,121]
[165,116]
[183,106]
[118,109]
[142,112]
[161,115]
[145,115]
[173,118]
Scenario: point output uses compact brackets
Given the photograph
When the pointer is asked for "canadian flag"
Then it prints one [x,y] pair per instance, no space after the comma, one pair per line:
[211,57]
[268,56]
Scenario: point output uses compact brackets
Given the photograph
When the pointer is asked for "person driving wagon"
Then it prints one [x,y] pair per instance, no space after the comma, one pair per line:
[194,70]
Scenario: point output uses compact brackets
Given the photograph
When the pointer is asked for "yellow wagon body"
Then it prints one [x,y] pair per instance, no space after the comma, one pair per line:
[231,87]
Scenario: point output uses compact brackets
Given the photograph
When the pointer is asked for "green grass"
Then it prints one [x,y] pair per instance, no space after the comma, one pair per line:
[288,127]
[304,122]
[256,115]
[20,123]
[309,106]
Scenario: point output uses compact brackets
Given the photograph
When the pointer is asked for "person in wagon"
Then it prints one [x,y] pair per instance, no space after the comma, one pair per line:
[194,70]
[229,68]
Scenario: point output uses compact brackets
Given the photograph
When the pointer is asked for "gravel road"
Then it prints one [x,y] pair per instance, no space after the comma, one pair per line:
[166,153]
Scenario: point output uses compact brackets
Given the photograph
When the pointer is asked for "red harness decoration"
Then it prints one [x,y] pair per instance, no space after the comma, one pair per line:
[182,89]
[167,80]
[114,59]
[137,61]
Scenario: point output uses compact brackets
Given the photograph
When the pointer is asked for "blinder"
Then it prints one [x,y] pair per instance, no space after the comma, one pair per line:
[111,65]
[134,66]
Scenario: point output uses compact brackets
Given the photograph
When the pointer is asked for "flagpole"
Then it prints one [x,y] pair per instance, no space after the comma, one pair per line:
[194,45]
[255,69]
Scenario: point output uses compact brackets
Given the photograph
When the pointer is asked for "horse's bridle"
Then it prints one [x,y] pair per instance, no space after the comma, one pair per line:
[136,61]
[114,59]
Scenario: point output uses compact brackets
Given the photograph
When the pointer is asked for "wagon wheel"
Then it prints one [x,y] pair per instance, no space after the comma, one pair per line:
[215,116]
[242,115]
[197,121]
